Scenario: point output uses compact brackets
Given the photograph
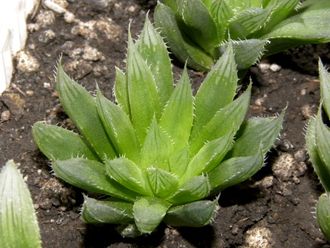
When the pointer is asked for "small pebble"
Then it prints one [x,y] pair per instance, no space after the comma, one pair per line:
[300,155]
[275,67]
[267,182]
[258,237]
[5,115]
[26,62]
[307,111]
[264,67]
[30,92]
[47,36]
[46,85]
[69,17]
[45,18]
[303,92]
[92,54]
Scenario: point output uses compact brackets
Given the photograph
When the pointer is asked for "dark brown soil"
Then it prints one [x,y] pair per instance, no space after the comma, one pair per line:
[277,203]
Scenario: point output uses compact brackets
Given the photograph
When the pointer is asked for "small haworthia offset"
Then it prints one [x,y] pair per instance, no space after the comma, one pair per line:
[197,31]
[18,221]
[318,147]
[160,153]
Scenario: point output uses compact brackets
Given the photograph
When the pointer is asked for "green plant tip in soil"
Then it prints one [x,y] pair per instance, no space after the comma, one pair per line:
[197,31]
[18,221]
[318,147]
[159,153]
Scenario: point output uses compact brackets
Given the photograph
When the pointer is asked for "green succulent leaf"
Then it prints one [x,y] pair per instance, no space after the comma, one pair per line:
[221,14]
[162,182]
[179,107]
[195,214]
[128,174]
[91,176]
[247,22]
[118,127]
[142,91]
[148,213]
[121,91]
[81,108]
[154,51]
[192,27]
[255,132]
[209,156]
[280,10]
[60,144]
[156,148]
[18,221]
[178,161]
[183,48]
[198,23]
[321,169]
[195,189]
[226,120]
[324,87]
[235,170]
[217,90]
[322,140]
[311,25]
[99,212]
[323,214]
[247,52]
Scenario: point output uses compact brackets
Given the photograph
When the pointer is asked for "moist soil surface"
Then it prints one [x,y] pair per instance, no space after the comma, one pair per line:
[275,208]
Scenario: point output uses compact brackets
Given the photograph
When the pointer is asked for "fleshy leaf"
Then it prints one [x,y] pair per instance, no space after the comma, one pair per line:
[91,176]
[221,14]
[118,127]
[209,156]
[195,214]
[162,183]
[156,148]
[80,107]
[127,173]
[113,212]
[195,189]
[226,120]
[280,11]
[322,140]
[152,48]
[311,25]
[179,107]
[197,22]
[148,213]
[178,161]
[235,170]
[60,144]
[121,91]
[142,91]
[18,221]
[247,52]
[323,214]
[256,131]
[325,87]
[320,168]
[247,22]
[184,49]
[217,90]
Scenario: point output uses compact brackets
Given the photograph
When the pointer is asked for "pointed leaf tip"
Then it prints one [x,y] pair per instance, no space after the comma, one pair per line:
[18,221]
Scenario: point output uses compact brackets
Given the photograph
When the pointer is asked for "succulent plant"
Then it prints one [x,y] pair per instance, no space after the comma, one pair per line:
[18,221]
[318,147]
[160,153]
[197,31]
